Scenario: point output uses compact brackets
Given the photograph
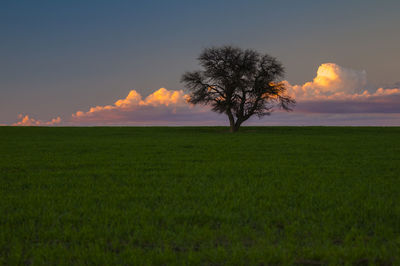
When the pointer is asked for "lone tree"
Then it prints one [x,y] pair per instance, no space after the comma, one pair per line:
[240,83]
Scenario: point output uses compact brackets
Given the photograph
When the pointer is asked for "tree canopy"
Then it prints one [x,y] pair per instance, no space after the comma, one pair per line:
[240,83]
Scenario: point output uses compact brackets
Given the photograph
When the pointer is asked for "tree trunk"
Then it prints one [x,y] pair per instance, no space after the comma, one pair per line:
[231,121]
[234,129]
[237,125]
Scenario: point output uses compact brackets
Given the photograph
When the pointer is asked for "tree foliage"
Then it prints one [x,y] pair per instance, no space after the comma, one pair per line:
[240,83]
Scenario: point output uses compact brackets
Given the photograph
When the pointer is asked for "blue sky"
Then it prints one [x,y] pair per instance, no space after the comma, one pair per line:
[57,57]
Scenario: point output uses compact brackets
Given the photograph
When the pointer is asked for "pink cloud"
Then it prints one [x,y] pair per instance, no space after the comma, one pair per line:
[161,105]
[27,121]
[341,90]
[336,96]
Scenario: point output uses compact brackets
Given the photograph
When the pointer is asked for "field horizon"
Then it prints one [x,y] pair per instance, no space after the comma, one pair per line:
[306,195]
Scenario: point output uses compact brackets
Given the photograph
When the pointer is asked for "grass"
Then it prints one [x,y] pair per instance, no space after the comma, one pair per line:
[200,195]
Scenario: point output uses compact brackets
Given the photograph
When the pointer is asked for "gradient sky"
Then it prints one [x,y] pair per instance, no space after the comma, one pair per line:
[59,57]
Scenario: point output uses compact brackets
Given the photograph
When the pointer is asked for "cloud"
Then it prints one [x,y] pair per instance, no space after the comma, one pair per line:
[336,89]
[336,96]
[331,79]
[378,105]
[27,121]
[161,105]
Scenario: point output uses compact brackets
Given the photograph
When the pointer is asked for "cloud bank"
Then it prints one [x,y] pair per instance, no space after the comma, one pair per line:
[336,89]
[331,80]
[27,121]
[160,105]
[336,96]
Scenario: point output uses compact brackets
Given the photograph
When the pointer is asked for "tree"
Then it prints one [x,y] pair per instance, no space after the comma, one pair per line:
[240,83]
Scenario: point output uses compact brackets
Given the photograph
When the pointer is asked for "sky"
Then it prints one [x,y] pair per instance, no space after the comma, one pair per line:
[120,62]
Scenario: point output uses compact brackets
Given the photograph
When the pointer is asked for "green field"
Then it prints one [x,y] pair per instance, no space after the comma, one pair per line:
[200,195]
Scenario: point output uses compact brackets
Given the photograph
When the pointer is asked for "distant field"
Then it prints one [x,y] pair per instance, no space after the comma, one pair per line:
[200,195]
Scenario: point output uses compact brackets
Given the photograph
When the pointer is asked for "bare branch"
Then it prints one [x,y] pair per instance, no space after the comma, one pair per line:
[240,83]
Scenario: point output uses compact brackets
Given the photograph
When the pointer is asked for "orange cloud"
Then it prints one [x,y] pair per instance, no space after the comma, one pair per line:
[165,97]
[334,82]
[335,94]
[27,121]
[159,98]
[336,89]
[159,108]
[333,78]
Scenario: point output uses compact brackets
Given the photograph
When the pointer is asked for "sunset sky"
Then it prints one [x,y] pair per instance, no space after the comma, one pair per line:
[120,62]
